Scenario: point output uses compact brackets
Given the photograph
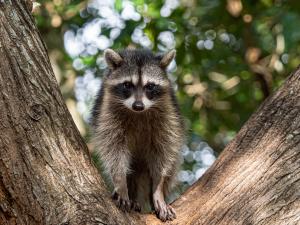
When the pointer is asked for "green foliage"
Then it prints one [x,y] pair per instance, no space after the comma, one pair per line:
[219,44]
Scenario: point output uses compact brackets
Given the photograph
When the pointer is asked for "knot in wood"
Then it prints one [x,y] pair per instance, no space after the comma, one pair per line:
[36,111]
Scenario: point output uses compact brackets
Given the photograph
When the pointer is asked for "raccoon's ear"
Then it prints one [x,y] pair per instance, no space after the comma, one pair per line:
[112,58]
[167,58]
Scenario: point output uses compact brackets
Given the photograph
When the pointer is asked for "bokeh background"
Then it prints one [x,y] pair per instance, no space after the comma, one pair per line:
[231,55]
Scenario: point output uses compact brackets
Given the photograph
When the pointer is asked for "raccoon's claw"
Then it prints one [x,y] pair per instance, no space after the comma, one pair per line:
[135,206]
[171,213]
[165,212]
[123,203]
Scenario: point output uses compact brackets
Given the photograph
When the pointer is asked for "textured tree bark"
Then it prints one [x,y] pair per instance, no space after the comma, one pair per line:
[46,174]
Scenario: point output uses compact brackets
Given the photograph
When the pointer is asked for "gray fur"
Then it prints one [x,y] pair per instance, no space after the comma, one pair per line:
[140,151]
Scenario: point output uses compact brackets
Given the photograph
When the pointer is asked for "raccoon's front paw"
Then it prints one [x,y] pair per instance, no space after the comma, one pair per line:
[122,202]
[164,212]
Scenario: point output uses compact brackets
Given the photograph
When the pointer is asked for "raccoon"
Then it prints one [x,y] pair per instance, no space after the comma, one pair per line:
[138,129]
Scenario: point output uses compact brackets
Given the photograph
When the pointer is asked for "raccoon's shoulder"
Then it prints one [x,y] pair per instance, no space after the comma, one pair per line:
[97,107]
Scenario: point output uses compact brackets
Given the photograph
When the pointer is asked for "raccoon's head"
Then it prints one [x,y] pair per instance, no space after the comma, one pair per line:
[137,78]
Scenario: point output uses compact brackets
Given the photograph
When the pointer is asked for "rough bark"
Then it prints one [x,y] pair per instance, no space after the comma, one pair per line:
[46,175]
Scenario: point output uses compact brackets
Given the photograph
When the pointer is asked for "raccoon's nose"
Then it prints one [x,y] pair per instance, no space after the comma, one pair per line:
[138,106]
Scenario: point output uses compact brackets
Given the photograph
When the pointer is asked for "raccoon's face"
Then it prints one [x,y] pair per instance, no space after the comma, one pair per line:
[137,78]
[137,93]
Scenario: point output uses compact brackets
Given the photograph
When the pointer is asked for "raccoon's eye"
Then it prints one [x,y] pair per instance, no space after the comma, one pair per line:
[150,87]
[127,85]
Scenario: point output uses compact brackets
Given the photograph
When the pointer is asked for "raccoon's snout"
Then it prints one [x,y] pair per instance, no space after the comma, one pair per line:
[138,106]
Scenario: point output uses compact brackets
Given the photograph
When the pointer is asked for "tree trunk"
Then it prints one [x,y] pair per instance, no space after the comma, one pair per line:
[46,173]
[47,177]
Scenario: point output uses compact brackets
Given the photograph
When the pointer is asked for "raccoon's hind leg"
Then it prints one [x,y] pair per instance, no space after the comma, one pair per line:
[133,191]
[139,190]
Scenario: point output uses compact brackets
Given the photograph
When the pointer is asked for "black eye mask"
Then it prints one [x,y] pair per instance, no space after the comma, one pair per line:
[153,91]
[123,90]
